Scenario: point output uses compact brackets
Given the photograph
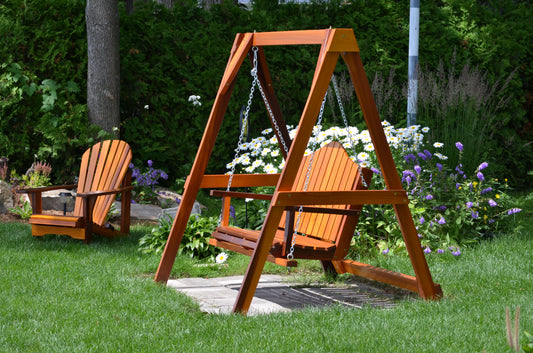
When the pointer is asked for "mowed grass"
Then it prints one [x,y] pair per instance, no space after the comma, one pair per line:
[59,295]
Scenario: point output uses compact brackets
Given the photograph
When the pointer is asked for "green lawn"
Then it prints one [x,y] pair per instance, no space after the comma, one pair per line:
[58,295]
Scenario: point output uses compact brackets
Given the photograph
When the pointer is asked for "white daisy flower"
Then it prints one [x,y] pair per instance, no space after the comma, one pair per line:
[221,258]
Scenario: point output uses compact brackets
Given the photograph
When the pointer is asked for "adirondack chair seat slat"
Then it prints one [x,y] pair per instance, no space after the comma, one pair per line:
[62,221]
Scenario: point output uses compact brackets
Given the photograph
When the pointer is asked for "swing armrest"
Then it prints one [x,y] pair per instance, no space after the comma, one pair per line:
[240,195]
[324,210]
[226,201]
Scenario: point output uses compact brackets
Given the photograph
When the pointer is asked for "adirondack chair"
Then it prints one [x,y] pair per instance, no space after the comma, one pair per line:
[104,173]
[324,233]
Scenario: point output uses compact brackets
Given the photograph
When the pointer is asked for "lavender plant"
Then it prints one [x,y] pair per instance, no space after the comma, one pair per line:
[145,182]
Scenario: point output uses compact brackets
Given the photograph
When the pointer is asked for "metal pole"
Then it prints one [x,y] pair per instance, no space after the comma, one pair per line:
[412,88]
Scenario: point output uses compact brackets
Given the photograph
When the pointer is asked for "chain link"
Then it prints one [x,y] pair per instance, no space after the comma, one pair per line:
[270,113]
[290,256]
[239,147]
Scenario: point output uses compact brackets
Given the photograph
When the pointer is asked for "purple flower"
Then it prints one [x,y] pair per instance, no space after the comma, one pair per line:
[483,166]
[422,220]
[492,203]
[474,214]
[455,251]
[457,185]
[440,251]
[422,155]
[150,163]
[469,204]
[375,170]
[417,169]
[484,191]
[131,166]
[427,154]
[459,146]
[410,158]
[480,176]
[439,167]
[513,211]
[429,197]
[407,176]
[385,252]
[442,220]
[427,250]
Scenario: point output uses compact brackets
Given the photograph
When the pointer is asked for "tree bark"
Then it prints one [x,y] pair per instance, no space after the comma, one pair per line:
[103,72]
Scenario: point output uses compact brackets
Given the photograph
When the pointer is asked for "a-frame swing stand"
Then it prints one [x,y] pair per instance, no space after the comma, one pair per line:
[334,43]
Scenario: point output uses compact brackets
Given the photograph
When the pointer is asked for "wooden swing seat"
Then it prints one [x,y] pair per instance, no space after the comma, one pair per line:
[104,173]
[324,232]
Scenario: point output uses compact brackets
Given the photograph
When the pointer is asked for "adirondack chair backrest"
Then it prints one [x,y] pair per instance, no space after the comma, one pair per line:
[332,169]
[103,167]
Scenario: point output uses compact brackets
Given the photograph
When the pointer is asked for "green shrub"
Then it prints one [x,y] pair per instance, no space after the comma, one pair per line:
[168,55]
[195,242]
[42,120]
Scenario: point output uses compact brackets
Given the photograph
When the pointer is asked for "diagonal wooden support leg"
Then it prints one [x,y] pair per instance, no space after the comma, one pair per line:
[257,262]
[426,287]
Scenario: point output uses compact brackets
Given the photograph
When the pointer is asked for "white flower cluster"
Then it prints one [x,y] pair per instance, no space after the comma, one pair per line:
[195,100]
[262,154]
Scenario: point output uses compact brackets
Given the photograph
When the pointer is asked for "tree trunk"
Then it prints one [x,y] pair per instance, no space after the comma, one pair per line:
[103,72]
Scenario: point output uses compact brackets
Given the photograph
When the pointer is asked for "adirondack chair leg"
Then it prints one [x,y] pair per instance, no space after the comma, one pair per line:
[88,205]
[36,201]
[125,205]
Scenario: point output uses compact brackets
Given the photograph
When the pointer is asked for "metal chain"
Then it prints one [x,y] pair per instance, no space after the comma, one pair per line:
[290,256]
[270,113]
[239,147]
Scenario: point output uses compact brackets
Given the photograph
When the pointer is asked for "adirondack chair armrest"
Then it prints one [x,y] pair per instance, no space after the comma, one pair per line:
[45,188]
[104,192]
[35,195]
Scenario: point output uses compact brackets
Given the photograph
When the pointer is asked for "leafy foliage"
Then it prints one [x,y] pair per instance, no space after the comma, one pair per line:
[195,241]
[44,121]
[167,55]
[24,211]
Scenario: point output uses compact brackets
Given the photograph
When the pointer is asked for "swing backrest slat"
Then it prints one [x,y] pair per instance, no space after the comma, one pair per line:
[331,169]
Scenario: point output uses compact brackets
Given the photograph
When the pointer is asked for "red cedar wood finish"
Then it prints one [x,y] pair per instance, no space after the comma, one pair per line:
[104,173]
[334,43]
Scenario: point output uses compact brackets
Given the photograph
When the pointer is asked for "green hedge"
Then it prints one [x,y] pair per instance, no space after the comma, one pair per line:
[169,55]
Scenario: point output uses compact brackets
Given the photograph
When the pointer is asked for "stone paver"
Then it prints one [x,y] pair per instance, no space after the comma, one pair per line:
[274,294]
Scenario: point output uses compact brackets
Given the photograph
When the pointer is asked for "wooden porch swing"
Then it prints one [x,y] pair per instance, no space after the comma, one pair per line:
[327,196]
